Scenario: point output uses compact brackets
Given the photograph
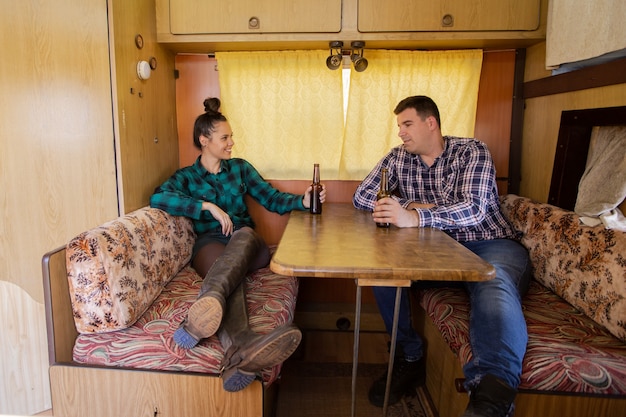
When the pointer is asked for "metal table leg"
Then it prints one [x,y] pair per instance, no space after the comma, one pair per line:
[355,353]
[392,351]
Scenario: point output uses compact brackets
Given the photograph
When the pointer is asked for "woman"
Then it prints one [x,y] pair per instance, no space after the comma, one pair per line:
[211,192]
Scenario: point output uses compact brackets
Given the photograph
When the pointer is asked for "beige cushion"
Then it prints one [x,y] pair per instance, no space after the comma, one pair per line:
[117,270]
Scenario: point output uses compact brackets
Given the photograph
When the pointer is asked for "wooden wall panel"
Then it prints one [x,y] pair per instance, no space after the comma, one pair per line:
[57,168]
[145,110]
[58,156]
[197,80]
[542,119]
[494,111]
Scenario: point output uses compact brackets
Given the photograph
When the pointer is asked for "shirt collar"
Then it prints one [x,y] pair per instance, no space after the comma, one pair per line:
[201,170]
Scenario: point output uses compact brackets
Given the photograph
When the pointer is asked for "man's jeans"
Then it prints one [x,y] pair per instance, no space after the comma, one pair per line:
[497,327]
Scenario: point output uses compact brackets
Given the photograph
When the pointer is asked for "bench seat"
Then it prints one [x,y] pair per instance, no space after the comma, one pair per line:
[575,361]
[148,343]
[115,294]
[567,352]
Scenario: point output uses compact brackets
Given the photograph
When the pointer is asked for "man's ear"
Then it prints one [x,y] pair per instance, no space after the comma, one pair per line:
[432,122]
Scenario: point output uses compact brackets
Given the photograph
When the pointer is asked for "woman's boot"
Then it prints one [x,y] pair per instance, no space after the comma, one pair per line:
[205,314]
[247,353]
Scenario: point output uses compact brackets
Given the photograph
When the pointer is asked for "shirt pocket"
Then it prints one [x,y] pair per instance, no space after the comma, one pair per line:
[236,195]
[210,195]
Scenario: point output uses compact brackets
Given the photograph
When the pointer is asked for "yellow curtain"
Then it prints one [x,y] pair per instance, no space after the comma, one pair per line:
[451,78]
[286,111]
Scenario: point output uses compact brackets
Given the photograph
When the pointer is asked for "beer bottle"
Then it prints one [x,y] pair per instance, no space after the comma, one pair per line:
[383,191]
[315,205]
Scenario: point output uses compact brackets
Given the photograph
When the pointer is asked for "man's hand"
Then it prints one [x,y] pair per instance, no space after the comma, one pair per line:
[388,210]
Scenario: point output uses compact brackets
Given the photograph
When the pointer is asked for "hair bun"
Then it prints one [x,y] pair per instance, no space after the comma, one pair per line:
[212,105]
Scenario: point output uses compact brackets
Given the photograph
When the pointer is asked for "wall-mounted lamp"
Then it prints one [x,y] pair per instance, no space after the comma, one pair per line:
[333,61]
[359,62]
[143,70]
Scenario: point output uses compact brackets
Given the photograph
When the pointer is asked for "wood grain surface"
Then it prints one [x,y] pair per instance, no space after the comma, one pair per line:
[344,242]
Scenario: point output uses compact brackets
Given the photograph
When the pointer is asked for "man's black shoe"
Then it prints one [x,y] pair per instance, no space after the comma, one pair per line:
[492,397]
[405,376]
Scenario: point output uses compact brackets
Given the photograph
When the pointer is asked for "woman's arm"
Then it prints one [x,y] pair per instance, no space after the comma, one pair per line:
[268,196]
[173,197]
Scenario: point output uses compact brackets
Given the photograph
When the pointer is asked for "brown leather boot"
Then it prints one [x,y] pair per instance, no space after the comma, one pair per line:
[247,353]
[205,314]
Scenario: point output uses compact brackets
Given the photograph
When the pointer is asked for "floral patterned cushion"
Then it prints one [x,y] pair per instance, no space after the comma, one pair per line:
[586,266]
[118,269]
[148,343]
[567,351]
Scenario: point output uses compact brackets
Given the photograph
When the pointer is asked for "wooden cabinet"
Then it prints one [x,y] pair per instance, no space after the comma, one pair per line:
[448,15]
[254,16]
[205,26]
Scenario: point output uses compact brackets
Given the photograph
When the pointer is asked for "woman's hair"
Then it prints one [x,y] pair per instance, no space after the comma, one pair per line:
[423,105]
[205,123]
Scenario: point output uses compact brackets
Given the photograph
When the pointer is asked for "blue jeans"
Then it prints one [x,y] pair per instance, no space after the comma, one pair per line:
[497,327]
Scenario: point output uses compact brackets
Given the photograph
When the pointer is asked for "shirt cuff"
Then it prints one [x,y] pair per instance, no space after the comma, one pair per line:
[300,203]
[194,211]
[425,217]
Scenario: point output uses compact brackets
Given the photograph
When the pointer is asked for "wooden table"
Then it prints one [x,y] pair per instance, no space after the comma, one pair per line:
[344,242]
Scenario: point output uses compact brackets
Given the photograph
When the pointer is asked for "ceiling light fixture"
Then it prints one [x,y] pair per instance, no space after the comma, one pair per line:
[335,58]
[359,62]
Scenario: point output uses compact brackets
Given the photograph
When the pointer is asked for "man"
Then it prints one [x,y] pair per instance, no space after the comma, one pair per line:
[449,183]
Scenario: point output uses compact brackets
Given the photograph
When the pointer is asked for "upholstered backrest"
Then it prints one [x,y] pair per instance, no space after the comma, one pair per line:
[117,270]
[586,266]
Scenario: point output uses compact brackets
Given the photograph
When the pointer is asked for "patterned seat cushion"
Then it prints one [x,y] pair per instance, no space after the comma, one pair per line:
[115,271]
[586,266]
[148,343]
[567,351]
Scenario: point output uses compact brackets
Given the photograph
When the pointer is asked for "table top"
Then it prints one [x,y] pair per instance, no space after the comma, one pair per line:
[344,242]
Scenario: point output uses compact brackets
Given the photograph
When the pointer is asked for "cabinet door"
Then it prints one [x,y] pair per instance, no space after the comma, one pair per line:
[147,144]
[448,15]
[254,16]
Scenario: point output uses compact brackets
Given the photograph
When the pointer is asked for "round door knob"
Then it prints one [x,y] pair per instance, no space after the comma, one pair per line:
[254,23]
[447,20]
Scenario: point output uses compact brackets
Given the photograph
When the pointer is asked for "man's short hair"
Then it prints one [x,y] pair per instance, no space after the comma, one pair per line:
[423,105]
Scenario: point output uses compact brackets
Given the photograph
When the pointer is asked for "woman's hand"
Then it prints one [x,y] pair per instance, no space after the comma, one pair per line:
[221,216]
[306,199]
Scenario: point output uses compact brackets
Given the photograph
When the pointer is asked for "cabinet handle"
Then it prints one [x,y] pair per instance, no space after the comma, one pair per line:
[254,23]
[447,20]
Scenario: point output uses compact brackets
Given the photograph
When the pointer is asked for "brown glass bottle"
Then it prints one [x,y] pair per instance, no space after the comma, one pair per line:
[383,191]
[315,205]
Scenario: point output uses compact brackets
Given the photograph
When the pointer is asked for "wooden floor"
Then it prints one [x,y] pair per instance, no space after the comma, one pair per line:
[317,379]
[337,347]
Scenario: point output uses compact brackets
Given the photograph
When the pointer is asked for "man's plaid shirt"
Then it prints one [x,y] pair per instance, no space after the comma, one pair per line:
[461,183]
